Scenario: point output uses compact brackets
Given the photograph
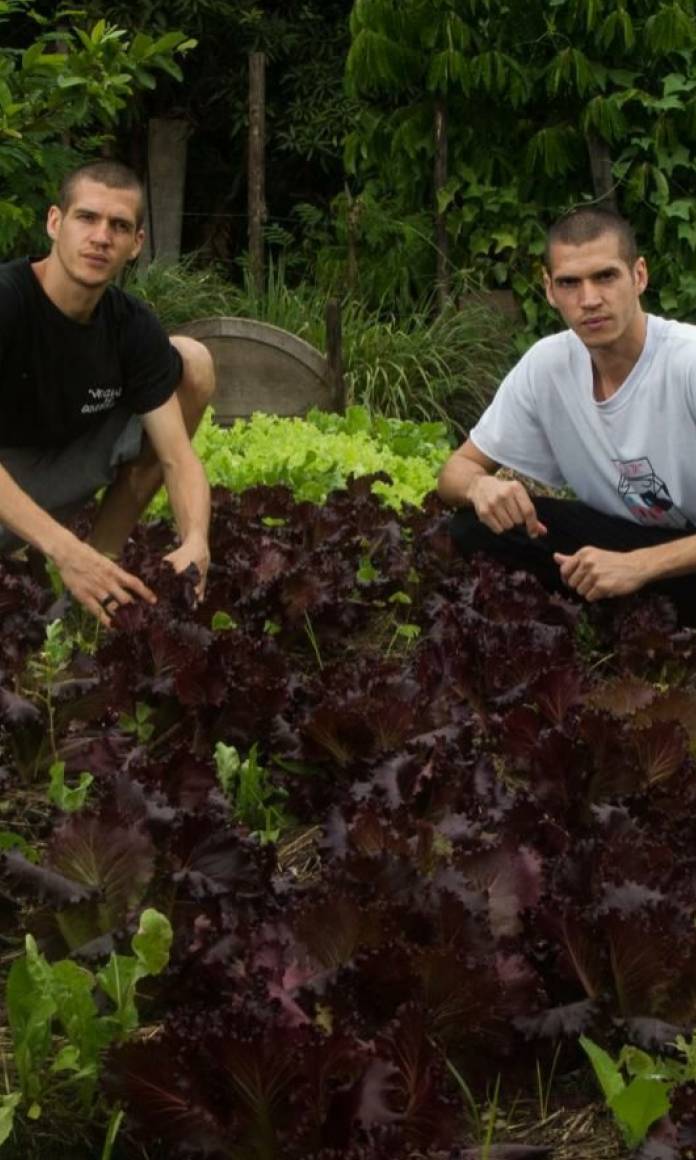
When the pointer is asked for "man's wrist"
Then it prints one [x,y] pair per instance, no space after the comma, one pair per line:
[473,484]
[57,544]
[195,539]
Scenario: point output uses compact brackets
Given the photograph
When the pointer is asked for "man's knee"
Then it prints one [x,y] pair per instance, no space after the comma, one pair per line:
[198,374]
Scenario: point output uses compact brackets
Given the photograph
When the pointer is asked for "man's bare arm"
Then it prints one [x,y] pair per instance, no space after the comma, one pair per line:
[501,504]
[595,573]
[186,484]
[86,573]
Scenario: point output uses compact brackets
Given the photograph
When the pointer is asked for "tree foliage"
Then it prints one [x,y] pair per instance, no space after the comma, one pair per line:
[527,86]
[63,88]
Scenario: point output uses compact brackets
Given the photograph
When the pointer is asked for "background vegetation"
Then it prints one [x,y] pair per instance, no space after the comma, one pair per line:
[544,107]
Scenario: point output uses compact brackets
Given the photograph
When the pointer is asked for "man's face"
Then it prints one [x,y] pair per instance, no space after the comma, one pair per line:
[97,234]
[596,291]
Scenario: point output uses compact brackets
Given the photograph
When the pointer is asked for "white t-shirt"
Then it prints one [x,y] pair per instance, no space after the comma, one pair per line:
[633,455]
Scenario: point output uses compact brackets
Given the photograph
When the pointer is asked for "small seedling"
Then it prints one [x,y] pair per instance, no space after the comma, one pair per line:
[139,723]
[68,798]
[223,622]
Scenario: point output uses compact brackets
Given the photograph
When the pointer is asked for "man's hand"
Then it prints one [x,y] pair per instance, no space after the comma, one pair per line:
[97,582]
[596,574]
[194,550]
[502,504]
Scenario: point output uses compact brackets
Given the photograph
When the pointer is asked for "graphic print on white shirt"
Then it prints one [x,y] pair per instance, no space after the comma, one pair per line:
[647,496]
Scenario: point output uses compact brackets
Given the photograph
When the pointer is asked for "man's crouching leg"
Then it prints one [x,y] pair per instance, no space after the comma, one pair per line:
[138,480]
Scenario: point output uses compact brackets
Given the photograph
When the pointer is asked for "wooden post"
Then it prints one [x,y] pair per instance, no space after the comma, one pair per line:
[602,177]
[257,167]
[441,240]
[166,163]
[334,353]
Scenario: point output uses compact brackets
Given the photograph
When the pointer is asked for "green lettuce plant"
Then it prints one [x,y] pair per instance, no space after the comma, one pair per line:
[315,455]
[58,1029]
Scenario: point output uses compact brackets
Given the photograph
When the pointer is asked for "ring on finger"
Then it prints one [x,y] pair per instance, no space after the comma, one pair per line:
[108,600]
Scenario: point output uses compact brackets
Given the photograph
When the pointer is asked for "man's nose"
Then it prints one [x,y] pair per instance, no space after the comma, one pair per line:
[589,294]
[101,233]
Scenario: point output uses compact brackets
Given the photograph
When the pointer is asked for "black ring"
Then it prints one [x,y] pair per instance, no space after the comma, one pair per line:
[107,600]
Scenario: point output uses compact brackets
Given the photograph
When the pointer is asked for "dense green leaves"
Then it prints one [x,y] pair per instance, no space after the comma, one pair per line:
[576,75]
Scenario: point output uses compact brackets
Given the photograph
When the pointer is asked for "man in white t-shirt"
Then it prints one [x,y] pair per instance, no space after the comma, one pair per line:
[607,407]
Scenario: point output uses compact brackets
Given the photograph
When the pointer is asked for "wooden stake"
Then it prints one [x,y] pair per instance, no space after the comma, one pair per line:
[441,239]
[257,167]
[334,353]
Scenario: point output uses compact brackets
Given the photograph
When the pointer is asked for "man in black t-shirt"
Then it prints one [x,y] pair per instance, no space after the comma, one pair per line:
[94,393]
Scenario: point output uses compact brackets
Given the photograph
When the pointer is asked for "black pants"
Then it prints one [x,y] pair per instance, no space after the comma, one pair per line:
[572,525]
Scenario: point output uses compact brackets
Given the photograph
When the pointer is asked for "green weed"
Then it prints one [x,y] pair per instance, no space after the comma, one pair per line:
[254,800]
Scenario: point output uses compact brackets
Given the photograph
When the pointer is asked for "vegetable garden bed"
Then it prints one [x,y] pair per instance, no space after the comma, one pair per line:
[377,833]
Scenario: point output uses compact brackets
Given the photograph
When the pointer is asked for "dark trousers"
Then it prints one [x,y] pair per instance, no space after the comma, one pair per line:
[572,525]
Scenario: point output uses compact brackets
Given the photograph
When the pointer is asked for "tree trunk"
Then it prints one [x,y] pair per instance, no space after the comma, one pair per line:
[257,167]
[441,240]
[166,177]
[602,178]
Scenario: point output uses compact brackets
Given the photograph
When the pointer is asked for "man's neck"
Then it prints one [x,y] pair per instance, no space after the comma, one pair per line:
[72,299]
[612,365]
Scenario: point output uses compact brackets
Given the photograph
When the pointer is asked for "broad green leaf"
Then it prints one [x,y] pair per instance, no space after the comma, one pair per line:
[606,1070]
[67,1059]
[11,841]
[677,83]
[75,1007]
[118,980]
[640,1104]
[32,54]
[8,1106]
[152,942]
[66,797]
[222,622]
[172,40]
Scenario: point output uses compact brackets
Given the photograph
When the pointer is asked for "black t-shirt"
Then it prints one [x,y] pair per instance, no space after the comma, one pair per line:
[58,377]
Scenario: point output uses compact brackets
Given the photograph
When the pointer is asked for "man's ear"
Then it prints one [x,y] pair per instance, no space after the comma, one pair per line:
[640,275]
[548,288]
[137,244]
[53,220]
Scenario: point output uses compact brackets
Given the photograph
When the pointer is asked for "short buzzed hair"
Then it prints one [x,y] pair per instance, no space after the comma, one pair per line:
[113,174]
[586,224]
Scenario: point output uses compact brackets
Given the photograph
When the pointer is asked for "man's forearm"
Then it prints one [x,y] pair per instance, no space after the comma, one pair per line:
[189,496]
[676,558]
[23,516]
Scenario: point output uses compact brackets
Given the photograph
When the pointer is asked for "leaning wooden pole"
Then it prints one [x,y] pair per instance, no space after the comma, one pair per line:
[257,167]
[441,239]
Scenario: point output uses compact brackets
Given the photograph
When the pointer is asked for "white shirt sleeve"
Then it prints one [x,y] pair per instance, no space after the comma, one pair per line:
[510,432]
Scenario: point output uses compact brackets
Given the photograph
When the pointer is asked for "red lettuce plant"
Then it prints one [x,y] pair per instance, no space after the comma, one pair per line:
[504,826]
